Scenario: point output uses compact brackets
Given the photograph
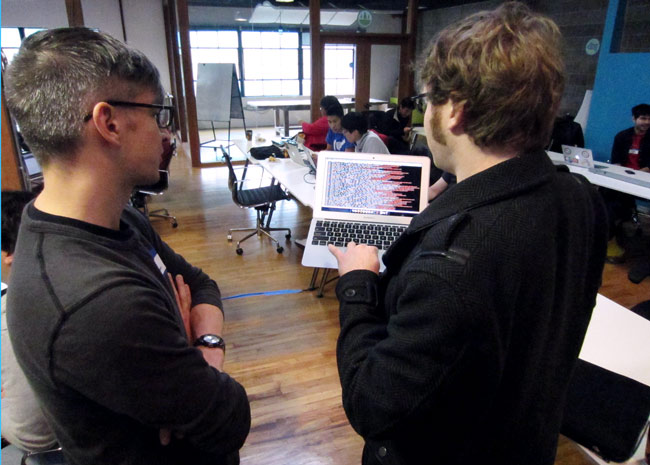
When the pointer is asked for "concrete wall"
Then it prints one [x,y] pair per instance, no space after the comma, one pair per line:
[579,21]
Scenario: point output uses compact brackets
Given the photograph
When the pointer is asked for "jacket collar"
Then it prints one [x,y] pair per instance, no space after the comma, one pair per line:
[504,180]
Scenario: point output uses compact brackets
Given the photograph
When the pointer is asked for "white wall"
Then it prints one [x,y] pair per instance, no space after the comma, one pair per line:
[144,25]
[34,13]
[103,15]
[384,71]
[145,28]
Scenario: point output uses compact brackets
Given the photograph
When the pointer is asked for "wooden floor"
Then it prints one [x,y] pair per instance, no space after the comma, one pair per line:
[282,347]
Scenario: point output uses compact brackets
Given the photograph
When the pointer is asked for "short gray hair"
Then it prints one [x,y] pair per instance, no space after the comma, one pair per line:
[57,77]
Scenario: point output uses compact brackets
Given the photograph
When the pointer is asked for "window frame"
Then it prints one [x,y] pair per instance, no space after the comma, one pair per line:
[302,48]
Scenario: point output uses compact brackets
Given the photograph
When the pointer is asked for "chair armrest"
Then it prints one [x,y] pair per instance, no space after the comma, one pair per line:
[245,180]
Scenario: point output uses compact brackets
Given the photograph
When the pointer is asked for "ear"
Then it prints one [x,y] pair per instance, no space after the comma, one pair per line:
[456,113]
[7,258]
[107,124]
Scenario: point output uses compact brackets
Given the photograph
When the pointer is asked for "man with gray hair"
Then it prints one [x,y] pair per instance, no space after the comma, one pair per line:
[118,335]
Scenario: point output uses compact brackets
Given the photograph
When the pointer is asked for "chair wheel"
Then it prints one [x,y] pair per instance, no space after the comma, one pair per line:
[280,249]
[239,251]
[288,236]
[229,237]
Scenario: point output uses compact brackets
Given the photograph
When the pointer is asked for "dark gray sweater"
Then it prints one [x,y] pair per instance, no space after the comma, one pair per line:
[96,328]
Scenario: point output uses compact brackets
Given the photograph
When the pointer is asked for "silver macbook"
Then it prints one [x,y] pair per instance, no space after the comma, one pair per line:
[578,156]
[368,198]
[301,156]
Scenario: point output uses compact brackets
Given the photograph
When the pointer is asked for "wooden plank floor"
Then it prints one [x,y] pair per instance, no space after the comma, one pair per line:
[282,348]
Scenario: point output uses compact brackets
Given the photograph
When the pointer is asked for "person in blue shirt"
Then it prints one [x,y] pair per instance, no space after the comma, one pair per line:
[335,139]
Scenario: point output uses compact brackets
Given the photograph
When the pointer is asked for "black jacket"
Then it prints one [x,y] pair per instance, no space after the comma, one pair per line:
[462,351]
[622,143]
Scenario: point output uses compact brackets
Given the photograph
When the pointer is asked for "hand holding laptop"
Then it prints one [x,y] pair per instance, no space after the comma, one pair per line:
[357,257]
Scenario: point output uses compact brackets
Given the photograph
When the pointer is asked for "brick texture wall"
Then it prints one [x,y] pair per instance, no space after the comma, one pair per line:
[579,20]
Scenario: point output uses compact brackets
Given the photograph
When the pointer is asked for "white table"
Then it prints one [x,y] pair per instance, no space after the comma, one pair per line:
[285,106]
[619,341]
[295,178]
[636,183]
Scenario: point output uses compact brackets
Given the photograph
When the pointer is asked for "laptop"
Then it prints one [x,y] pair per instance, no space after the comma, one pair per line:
[301,156]
[578,156]
[370,198]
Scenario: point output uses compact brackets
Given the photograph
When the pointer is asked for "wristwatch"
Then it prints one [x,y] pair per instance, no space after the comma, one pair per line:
[212,341]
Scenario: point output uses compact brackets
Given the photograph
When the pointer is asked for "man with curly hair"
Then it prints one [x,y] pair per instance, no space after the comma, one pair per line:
[461,352]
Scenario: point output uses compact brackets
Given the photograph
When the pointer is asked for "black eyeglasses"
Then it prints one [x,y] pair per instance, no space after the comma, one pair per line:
[423,95]
[163,116]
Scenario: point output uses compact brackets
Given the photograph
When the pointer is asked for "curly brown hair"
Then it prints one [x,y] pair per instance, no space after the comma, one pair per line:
[505,68]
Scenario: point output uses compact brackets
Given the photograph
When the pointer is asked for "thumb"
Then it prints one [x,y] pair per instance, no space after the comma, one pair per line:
[334,251]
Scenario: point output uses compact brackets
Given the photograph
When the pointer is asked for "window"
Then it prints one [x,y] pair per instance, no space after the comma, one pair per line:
[270,61]
[273,63]
[213,47]
[339,69]
[11,37]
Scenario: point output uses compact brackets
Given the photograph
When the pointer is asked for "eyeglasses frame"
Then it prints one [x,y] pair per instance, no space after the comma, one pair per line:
[120,103]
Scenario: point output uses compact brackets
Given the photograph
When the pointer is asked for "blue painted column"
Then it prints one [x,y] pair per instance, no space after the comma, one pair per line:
[622,81]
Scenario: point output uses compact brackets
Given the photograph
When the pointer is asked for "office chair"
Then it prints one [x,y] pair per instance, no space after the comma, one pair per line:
[141,194]
[262,199]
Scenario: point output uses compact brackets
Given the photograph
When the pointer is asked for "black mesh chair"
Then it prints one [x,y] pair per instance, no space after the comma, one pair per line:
[141,194]
[262,199]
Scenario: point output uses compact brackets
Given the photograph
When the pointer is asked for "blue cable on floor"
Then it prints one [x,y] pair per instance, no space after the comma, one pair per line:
[252,294]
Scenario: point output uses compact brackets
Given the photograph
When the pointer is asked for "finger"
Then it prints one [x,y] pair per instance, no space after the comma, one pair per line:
[165,436]
[335,251]
[171,281]
[183,289]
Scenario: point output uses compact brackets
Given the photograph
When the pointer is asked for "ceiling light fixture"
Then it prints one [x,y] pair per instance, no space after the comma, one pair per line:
[239,17]
[284,1]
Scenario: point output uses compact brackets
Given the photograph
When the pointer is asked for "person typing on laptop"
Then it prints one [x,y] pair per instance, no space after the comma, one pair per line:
[335,139]
[355,129]
[462,350]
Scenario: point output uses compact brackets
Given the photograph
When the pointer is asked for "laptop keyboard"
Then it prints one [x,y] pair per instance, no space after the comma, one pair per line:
[340,233]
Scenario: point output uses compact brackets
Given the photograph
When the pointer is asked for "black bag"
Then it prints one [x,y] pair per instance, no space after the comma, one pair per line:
[262,153]
[606,412]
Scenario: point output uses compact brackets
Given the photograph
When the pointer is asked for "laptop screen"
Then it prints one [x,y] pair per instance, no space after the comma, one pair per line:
[372,187]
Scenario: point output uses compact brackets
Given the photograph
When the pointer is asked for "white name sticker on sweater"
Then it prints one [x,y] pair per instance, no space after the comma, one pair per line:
[158,261]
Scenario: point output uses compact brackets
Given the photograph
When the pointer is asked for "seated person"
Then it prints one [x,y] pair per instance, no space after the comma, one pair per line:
[355,130]
[316,132]
[441,185]
[632,145]
[23,422]
[399,126]
[631,149]
[402,115]
[566,132]
[335,139]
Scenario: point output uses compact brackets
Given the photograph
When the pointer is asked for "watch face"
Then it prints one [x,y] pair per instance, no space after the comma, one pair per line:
[210,340]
